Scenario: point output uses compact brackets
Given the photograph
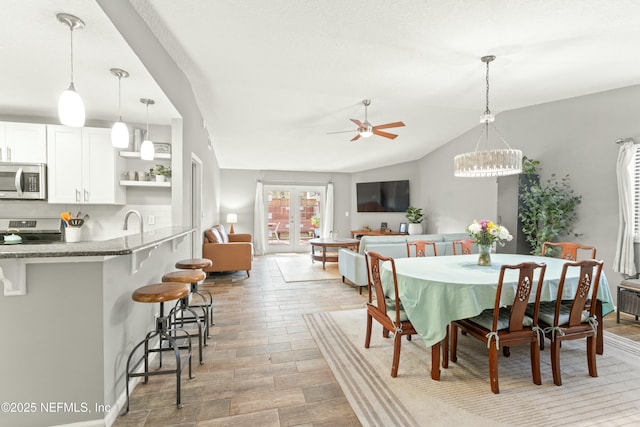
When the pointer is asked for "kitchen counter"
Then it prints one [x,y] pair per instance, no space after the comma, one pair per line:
[75,298]
[119,246]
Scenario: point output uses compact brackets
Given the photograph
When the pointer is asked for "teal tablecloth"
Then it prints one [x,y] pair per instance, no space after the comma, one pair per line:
[436,290]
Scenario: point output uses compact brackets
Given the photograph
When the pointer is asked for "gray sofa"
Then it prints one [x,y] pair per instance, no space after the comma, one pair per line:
[352,264]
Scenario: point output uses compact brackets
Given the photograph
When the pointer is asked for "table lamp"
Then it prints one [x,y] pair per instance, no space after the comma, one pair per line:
[232,219]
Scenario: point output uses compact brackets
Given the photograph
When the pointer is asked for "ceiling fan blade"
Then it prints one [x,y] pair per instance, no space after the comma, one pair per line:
[389,125]
[385,134]
[355,138]
[357,122]
[343,131]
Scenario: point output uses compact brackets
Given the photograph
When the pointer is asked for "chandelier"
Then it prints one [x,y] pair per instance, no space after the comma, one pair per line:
[497,162]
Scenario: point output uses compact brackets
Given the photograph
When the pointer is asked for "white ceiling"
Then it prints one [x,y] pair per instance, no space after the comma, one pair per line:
[35,54]
[273,77]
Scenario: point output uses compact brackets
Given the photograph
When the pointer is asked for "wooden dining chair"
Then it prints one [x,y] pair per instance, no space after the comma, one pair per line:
[507,326]
[568,250]
[465,246]
[421,248]
[564,320]
[387,308]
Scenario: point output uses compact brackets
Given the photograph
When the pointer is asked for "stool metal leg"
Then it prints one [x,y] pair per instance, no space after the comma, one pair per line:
[195,318]
[208,319]
[164,331]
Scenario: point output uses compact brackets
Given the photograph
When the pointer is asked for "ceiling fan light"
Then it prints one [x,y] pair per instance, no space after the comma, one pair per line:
[71,108]
[120,135]
[366,131]
[147,152]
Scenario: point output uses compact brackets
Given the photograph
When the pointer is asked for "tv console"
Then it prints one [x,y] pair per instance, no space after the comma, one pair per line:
[359,233]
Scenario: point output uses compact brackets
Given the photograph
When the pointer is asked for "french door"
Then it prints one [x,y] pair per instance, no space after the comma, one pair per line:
[293,215]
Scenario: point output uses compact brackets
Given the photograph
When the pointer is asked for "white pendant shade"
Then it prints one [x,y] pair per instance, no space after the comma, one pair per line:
[71,108]
[120,135]
[479,164]
[147,152]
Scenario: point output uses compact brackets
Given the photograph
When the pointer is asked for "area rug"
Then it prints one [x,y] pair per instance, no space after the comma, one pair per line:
[299,268]
[463,395]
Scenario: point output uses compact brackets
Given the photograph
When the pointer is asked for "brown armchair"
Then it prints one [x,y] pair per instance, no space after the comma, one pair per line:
[227,252]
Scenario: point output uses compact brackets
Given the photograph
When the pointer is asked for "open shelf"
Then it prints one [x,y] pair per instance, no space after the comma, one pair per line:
[165,184]
[136,155]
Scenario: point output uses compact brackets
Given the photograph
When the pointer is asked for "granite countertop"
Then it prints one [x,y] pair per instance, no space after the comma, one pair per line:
[118,246]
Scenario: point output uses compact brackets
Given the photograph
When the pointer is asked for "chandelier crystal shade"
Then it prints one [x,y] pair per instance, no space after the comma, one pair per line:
[147,151]
[70,105]
[119,131]
[487,163]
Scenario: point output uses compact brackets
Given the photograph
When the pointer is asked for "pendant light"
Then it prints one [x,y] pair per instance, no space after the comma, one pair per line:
[70,105]
[497,162]
[147,151]
[119,131]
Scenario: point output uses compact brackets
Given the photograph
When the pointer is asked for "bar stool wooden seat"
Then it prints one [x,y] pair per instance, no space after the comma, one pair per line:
[199,264]
[161,293]
[194,264]
[192,277]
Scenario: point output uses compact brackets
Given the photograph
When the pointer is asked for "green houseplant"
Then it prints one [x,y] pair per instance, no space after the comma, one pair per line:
[161,172]
[549,207]
[415,217]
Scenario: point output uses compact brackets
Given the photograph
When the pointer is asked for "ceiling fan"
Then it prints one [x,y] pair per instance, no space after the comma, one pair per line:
[365,129]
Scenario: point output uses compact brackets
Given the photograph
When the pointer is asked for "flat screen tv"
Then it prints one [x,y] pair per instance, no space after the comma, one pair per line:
[384,196]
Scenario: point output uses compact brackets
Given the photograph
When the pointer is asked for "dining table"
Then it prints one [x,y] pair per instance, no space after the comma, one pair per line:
[436,290]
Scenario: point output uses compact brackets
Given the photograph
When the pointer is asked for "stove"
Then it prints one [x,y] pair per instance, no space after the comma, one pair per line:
[32,230]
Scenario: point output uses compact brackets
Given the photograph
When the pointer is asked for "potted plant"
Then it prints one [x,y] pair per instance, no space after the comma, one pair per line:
[415,217]
[549,207]
[161,172]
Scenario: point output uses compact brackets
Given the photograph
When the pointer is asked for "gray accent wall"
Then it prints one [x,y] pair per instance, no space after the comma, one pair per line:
[401,171]
[575,136]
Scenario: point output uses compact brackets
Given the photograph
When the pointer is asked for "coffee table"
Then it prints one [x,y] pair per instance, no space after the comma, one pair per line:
[325,243]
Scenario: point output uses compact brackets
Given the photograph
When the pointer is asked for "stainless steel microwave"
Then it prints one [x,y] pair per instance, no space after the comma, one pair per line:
[23,181]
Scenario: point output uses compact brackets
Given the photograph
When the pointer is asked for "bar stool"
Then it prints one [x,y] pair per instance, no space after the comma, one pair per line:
[160,293]
[199,264]
[191,277]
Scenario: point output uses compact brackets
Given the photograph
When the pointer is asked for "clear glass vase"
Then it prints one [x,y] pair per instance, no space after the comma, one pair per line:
[484,255]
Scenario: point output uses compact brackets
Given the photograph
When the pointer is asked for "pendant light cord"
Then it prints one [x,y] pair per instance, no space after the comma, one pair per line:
[71,27]
[148,121]
[120,98]
[487,111]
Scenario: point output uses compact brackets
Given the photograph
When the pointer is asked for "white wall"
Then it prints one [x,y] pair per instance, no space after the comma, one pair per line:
[575,136]
[238,188]
[401,171]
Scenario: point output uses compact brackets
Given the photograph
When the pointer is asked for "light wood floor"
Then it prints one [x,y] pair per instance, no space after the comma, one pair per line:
[262,368]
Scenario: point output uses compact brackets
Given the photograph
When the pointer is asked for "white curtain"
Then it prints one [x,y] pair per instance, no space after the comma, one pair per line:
[259,222]
[327,223]
[625,258]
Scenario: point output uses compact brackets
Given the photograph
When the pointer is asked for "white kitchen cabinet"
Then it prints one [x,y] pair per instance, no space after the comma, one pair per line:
[83,166]
[23,142]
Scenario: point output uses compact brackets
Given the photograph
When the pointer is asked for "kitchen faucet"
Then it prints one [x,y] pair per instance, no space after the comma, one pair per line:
[126,218]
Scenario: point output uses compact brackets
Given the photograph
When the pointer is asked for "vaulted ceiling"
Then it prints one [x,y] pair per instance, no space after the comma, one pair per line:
[273,78]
